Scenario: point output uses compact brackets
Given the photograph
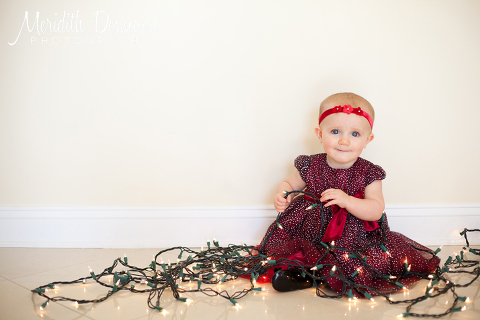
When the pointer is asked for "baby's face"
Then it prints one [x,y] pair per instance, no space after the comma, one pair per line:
[344,136]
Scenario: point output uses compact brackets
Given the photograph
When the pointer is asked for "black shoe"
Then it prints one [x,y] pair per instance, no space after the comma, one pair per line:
[289,280]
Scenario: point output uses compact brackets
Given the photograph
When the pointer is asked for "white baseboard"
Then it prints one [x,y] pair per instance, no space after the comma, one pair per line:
[163,227]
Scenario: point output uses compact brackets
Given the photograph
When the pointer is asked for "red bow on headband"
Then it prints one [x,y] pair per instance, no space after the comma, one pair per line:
[348,110]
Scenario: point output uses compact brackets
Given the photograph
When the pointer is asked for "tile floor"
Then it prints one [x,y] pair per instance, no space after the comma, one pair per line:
[23,269]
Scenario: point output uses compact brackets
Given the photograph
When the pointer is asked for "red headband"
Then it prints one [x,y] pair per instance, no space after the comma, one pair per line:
[346,109]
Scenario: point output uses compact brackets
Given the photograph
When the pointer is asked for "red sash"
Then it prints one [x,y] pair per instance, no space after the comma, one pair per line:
[335,228]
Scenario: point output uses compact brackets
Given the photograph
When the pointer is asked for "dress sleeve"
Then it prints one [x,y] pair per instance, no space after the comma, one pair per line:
[374,173]
[302,163]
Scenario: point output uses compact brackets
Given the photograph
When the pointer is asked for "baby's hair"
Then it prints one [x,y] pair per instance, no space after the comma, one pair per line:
[344,98]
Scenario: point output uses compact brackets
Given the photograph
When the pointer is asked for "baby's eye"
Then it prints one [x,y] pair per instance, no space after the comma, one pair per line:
[335,131]
[355,134]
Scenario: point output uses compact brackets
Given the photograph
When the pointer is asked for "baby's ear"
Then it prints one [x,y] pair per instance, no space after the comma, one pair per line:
[369,139]
[318,133]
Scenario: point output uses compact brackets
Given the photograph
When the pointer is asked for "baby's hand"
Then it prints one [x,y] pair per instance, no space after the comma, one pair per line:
[280,202]
[335,196]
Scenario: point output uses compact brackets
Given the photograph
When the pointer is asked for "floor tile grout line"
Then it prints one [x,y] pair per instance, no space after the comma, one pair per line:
[32,293]
[11,281]
[74,310]
[60,268]
[86,263]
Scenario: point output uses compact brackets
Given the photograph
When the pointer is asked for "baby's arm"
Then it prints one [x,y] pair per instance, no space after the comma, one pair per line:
[294,182]
[368,209]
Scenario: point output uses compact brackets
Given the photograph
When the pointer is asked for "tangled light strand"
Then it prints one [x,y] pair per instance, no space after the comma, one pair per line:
[219,264]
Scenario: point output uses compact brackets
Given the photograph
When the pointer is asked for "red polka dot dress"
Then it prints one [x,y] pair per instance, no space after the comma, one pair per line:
[303,233]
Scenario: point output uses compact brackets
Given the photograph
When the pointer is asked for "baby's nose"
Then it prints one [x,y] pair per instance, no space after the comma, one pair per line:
[344,141]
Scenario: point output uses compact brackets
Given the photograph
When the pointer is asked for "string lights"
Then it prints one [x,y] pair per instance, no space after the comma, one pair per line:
[216,265]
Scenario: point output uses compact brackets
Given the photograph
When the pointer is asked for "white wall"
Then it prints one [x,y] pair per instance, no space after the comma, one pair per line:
[211,104]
